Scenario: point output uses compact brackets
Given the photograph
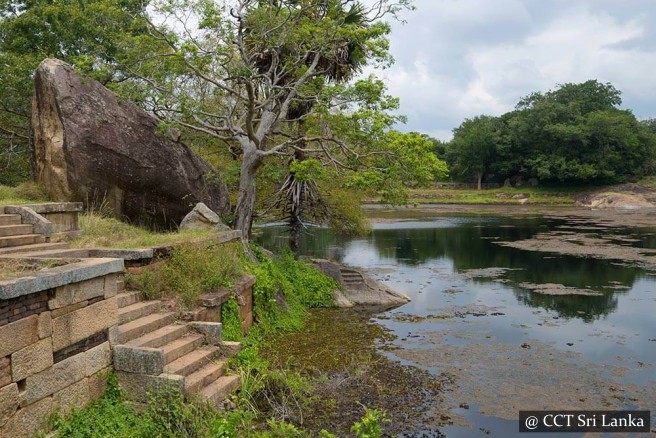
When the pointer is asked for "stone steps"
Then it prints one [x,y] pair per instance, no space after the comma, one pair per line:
[191,362]
[137,310]
[125,299]
[205,376]
[139,327]
[37,247]
[220,389]
[24,239]
[146,333]
[16,230]
[181,346]
[159,337]
[10,219]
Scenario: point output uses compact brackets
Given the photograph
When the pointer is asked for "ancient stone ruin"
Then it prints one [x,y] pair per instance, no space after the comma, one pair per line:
[92,147]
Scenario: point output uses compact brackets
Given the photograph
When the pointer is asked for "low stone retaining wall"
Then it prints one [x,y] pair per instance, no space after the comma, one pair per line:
[54,342]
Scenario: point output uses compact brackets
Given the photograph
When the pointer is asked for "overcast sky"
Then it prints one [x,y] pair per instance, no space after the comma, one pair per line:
[461,58]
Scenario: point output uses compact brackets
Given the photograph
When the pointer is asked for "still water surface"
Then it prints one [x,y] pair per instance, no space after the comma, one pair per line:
[430,260]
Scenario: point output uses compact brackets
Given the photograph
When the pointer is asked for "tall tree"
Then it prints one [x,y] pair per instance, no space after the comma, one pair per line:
[221,89]
[473,148]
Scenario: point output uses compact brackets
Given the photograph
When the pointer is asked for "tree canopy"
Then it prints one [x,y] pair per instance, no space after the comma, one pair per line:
[575,134]
[246,71]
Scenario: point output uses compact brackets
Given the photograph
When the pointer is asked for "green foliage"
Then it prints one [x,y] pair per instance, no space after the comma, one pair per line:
[346,214]
[402,161]
[231,321]
[575,134]
[270,400]
[190,271]
[473,148]
[370,425]
[24,193]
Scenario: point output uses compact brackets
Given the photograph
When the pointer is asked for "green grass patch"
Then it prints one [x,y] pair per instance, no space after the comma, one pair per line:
[106,232]
[505,195]
[191,271]
[25,193]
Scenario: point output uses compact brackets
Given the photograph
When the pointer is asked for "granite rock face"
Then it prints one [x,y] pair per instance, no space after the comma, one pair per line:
[91,146]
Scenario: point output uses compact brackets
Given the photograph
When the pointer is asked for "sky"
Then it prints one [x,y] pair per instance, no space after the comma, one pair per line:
[457,59]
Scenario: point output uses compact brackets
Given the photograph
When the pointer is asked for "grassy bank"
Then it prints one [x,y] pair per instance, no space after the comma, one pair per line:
[284,292]
[504,196]
[26,193]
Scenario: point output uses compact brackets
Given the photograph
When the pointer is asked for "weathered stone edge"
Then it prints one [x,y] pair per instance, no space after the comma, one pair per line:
[30,216]
[59,276]
[53,207]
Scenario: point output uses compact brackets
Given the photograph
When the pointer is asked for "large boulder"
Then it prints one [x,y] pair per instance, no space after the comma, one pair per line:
[92,146]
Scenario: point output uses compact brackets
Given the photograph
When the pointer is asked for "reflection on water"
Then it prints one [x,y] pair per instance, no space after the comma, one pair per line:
[429,259]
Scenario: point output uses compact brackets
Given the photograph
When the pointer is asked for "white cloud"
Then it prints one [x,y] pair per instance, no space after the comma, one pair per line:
[461,58]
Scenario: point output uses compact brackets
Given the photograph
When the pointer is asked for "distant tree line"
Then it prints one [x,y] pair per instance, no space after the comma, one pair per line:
[575,134]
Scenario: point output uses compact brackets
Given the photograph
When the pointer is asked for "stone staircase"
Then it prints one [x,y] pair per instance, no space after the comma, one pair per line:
[14,233]
[351,277]
[152,349]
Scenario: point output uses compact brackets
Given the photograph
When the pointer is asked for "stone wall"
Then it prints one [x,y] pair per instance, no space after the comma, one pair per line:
[54,349]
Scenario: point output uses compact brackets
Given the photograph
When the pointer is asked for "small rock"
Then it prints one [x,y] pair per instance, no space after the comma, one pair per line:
[464,405]
[202,218]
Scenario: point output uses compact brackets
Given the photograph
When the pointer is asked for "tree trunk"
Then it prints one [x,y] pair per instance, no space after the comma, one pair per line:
[296,213]
[479,176]
[296,228]
[246,199]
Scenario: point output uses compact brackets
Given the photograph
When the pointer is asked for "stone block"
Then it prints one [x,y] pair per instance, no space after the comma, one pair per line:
[231,347]
[142,360]
[98,358]
[19,334]
[45,325]
[31,359]
[98,384]
[9,402]
[5,371]
[75,396]
[77,292]
[114,335]
[68,309]
[212,330]
[82,323]
[29,421]
[111,285]
[209,314]
[71,273]
[215,298]
[138,386]
[54,379]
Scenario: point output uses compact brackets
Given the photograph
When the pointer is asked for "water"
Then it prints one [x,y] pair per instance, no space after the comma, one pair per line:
[613,335]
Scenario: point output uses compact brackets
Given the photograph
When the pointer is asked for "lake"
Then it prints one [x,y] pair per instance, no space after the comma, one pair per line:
[516,329]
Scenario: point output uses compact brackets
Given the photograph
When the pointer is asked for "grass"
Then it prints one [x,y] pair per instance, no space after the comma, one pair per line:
[107,232]
[190,271]
[16,268]
[26,193]
[505,195]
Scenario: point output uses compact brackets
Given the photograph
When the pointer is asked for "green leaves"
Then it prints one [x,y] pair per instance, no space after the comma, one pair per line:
[573,134]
